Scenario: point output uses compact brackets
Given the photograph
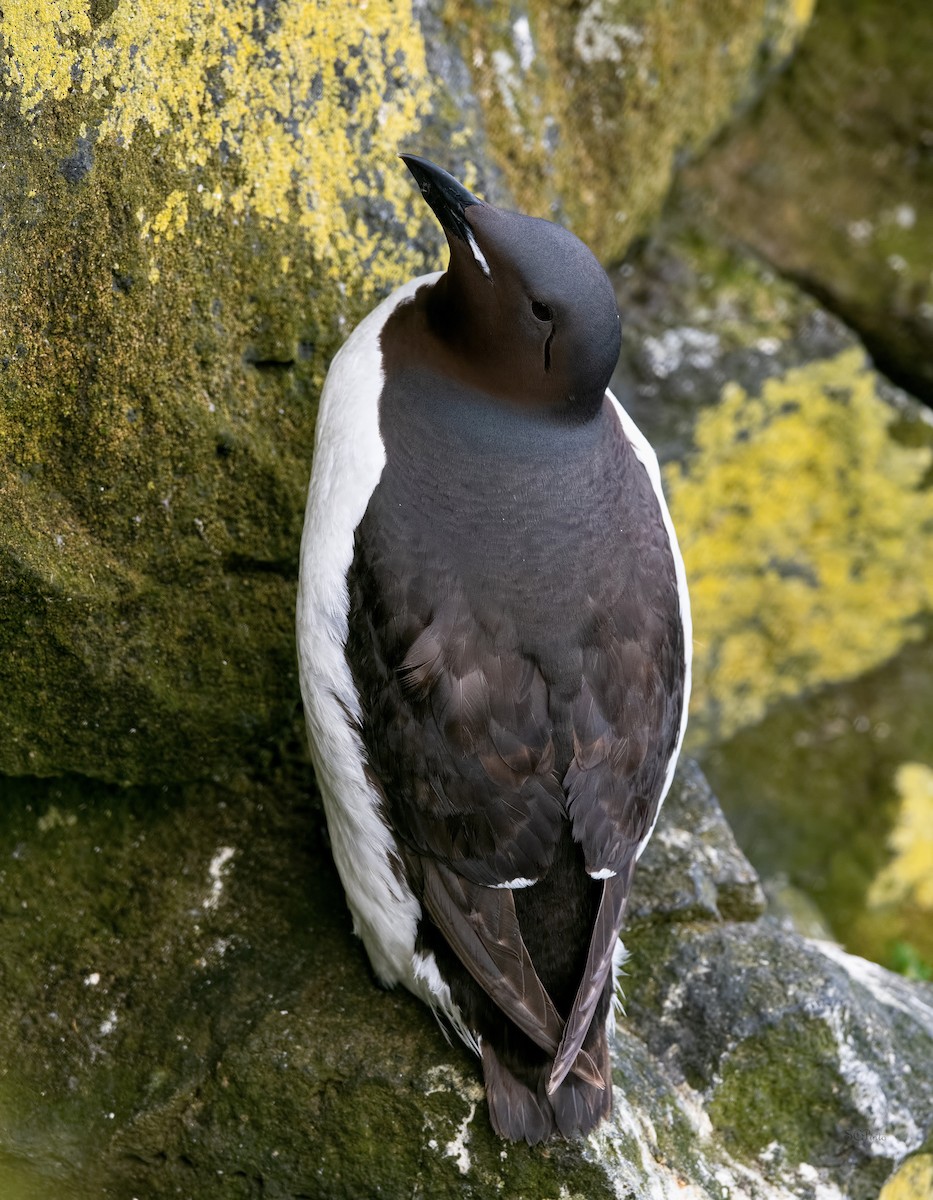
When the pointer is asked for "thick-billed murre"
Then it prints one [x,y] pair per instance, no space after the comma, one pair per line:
[494,645]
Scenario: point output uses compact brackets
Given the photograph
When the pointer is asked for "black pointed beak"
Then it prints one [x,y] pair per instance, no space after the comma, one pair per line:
[447,197]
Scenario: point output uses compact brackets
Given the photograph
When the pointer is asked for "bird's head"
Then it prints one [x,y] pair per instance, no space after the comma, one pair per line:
[522,299]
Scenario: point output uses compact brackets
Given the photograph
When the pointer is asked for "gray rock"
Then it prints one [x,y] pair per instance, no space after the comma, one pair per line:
[791,461]
[693,869]
[812,1064]
[183,1009]
[829,178]
[184,1012]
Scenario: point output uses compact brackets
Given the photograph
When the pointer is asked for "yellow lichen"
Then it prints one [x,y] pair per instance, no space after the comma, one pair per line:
[42,39]
[170,220]
[806,534]
[913,1180]
[803,11]
[309,103]
[909,874]
[608,94]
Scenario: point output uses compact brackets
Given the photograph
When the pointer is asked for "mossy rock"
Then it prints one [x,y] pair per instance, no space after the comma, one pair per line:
[830,179]
[184,1011]
[799,480]
[195,211]
[801,485]
[845,816]
[589,107]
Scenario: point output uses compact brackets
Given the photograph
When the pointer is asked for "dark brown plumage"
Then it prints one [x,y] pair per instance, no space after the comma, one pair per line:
[515,633]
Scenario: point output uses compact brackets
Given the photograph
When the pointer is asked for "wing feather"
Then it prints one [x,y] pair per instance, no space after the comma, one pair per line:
[492,718]
[481,926]
[606,932]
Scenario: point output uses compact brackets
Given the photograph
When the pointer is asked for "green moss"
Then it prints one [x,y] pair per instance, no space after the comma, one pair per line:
[728,292]
[822,815]
[905,959]
[780,1086]
[152,478]
[126,968]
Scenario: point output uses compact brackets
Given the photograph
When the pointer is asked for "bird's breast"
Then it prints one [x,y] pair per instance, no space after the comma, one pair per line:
[534,520]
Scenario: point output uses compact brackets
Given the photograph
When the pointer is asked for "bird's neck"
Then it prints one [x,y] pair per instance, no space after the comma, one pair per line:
[463,349]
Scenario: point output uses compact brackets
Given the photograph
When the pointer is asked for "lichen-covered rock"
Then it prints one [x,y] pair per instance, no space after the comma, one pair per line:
[198,201]
[799,480]
[695,870]
[801,485]
[812,1064]
[184,1011]
[195,206]
[830,177]
[589,107]
[911,1181]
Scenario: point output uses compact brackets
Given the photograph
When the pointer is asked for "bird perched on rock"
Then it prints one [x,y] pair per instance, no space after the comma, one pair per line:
[494,646]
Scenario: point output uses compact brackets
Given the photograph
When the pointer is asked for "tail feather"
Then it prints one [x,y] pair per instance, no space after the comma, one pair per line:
[516,1111]
[523,1110]
[579,1106]
[596,975]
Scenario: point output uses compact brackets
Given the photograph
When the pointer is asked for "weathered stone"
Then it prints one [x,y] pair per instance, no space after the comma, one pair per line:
[693,869]
[799,480]
[812,1064]
[830,177]
[801,484]
[184,1011]
[611,94]
[185,240]
[824,784]
[795,910]
[195,210]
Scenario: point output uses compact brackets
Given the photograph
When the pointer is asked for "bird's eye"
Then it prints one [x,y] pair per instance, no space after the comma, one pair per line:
[541,311]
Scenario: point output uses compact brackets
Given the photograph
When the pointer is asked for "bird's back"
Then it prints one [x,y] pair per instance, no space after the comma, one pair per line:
[516,641]
[494,645]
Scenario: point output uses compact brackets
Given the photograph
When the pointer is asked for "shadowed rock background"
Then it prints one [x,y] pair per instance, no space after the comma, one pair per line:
[196,205]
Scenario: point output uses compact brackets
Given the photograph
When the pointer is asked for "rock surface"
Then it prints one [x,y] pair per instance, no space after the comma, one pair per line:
[831,814]
[799,480]
[185,1012]
[801,483]
[195,210]
[830,177]
[189,225]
